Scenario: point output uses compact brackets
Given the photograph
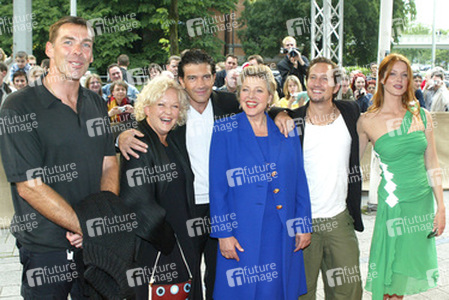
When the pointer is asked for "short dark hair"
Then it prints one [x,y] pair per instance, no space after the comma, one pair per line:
[22,54]
[257,57]
[119,83]
[417,75]
[112,66]
[54,29]
[123,60]
[231,55]
[195,56]
[322,59]
[19,74]
[154,66]
[3,67]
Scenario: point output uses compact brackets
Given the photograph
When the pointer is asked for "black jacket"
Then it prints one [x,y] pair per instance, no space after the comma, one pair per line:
[350,113]
[107,254]
[143,198]
[286,68]
[220,78]
[224,104]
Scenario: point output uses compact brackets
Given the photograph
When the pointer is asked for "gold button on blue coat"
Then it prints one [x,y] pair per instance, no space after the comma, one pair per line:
[278,206]
[276,191]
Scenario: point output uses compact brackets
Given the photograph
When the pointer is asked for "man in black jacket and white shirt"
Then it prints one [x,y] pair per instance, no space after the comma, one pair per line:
[328,134]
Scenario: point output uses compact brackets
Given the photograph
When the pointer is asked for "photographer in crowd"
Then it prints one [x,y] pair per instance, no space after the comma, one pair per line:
[359,86]
[436,95]
[294,63]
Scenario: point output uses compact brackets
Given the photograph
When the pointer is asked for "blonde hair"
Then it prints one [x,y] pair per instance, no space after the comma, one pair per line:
[288,38]
[262,72]
[154,91]
[384,72]
[296,81]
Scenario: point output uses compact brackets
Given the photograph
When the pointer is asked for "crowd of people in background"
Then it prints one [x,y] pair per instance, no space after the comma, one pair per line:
[431,89]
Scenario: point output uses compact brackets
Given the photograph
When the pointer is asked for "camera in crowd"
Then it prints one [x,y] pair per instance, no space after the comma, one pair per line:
[361,93]
[292,52]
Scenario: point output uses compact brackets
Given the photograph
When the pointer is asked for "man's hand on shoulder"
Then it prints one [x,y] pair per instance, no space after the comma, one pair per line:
[127,143]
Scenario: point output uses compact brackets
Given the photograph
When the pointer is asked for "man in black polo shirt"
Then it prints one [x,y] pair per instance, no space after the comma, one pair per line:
[56,150]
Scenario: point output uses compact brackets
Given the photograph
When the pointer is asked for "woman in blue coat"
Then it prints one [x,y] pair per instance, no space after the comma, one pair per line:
[259,200]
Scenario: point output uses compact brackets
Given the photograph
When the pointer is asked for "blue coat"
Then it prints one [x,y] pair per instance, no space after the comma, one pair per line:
[238,195]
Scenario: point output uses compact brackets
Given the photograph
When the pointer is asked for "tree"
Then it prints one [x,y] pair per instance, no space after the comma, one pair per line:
[146,30]
[266,22]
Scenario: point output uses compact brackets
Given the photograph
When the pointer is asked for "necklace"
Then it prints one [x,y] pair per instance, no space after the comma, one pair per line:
[332,116]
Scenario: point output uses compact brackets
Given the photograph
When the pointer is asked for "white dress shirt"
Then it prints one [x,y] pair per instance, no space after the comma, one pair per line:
[198,138]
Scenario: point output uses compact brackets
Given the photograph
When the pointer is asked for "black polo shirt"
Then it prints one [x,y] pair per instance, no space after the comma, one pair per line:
[40,137]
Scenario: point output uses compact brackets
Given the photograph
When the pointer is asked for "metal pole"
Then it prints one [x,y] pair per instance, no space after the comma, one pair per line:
[433,33]
[326,28]
[22,21]
[385,22]
[313,31]
[73,8]
[340,33]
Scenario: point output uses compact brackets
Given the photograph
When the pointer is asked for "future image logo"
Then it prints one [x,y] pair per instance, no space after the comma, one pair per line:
[339,276]
[298,226]
[298,26]
[106,25]
[249,175]
[410,225]
[108,225]
[195,27]
[211,25]
[206,225]
[51,275]
[251,275]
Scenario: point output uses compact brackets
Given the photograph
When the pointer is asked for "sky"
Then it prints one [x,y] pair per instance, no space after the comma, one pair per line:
[424,13]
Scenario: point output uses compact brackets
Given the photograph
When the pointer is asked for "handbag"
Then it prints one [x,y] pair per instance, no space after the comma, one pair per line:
[176,291]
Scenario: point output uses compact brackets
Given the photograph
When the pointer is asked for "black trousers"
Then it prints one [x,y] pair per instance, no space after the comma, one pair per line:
[51,275]
[208,247]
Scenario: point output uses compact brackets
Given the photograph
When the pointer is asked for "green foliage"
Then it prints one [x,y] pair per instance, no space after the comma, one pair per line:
[366,71]
[266,25]
[140,28]
[266,21]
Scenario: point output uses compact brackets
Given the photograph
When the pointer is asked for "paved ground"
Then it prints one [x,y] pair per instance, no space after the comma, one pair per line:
[10,268]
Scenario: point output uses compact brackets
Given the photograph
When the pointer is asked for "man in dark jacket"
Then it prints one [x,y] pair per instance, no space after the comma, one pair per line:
[293,63]
[231,62]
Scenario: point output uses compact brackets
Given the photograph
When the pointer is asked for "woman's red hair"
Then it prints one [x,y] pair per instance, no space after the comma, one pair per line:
[384,72]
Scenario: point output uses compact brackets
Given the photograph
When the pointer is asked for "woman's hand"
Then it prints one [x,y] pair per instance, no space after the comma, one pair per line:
[227,248]
[302,241]
[439,222]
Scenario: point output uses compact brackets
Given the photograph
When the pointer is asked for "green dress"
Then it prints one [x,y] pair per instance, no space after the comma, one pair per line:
[403,260]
